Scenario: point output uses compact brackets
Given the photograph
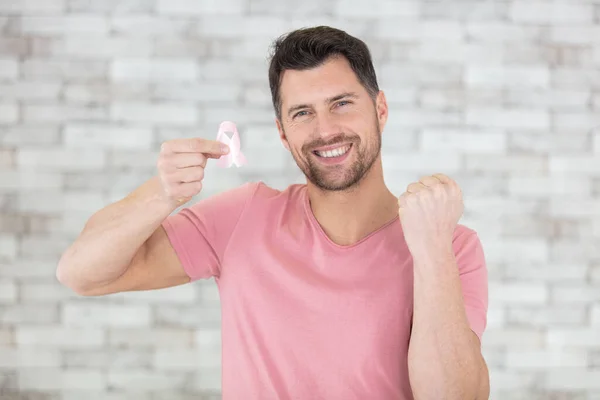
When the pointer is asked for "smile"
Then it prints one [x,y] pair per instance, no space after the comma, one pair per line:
[339,151]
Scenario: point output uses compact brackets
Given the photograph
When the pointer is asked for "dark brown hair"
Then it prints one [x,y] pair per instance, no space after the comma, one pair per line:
[308,48]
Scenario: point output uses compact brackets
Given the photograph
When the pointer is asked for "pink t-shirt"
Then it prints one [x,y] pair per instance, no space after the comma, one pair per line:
[302,317]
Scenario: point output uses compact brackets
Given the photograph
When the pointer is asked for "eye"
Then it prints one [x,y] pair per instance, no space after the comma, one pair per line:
[300,114]
[343,103]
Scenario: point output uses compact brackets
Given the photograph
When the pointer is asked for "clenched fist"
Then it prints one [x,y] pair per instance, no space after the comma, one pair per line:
[181,165]
[429,211]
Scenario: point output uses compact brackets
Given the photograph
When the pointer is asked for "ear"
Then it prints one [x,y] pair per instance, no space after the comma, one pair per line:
[382,109]
[282,136]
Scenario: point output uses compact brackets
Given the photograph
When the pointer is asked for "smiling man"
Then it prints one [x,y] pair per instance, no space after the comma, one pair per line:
[333,289]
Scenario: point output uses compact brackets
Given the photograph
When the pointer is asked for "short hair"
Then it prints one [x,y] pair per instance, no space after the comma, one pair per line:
[308,48]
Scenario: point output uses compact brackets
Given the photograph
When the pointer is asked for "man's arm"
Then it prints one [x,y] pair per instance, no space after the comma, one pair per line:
[444,358]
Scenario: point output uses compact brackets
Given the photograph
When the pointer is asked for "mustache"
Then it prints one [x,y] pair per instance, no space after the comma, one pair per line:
[333,141]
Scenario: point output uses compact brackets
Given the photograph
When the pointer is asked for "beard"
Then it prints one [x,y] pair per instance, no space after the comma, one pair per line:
[340,177]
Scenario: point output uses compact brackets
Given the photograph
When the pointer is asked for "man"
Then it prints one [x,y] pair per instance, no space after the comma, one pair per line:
[336,289]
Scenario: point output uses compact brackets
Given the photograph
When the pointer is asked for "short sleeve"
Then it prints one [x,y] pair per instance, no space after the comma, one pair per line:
[200,233]
[472,268]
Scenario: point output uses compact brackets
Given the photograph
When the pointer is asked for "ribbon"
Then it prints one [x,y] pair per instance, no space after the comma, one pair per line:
[235,156]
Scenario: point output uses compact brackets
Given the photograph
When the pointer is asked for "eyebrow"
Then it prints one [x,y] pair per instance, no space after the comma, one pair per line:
[329,100]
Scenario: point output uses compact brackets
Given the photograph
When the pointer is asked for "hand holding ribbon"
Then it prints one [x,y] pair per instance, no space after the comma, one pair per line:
[235,156]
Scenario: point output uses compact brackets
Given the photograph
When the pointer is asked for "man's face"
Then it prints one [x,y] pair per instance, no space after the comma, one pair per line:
[330,124]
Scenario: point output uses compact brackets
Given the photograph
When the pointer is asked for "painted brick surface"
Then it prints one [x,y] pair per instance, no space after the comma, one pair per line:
[502,95]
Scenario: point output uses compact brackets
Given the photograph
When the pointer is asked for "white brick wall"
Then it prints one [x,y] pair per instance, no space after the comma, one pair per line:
[504,96]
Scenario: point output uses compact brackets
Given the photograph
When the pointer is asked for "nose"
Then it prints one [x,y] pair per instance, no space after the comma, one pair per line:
[327,127]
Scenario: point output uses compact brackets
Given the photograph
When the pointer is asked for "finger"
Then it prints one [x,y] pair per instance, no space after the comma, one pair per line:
[442,178]
[415,187]
[429,181]
[196,145]
[186,160]
[187,175]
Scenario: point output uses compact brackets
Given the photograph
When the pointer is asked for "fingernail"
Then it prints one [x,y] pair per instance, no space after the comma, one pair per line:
[224,148]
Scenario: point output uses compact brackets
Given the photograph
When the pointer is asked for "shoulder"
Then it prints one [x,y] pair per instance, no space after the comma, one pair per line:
[467,247]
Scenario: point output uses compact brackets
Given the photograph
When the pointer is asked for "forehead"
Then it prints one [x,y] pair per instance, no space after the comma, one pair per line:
[333,77]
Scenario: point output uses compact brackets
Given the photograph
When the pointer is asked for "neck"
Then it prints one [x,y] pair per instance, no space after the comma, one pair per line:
[349,216]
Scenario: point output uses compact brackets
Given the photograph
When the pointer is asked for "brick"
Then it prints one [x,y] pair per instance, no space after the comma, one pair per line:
[158,337]
[13,46]
[551,99]
[522,293]
[98,47]
[27,268]
[72,70]
[110,315]
[465,11]
[25,358]
[30,180]
[59,337]
[508,118]
[191,7]
[540,360]
[533,164]
[149,380]
[595,315]
[32,292]
[143,160]
[461,141]
[575,78]
[500,32]
[32,6]
[546,316]
[59,159]
[423,164]
[515,338]
[425,31]
[143,25]
[9,113]
[157,113]
[187,316]
[507,76]
[186,360]
[9,68]
[534,250]
[178,46]
[438,52]
[572,379]
[60,113]
[575,294]
[549,186]
[582,164]
[185,294]
[114,358]
[153,70]
[6,338]
[66,24]
[387,8]
[576,120]
[112,6]
[26,135]
[28,91]
[48,379]
[555,13]
[8,247]
[8,292]
[38,245]
[573,34]
[246,26]
[101,136]
[207,379]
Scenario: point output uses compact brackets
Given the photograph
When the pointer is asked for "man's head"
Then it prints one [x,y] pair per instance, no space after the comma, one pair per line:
[330,111]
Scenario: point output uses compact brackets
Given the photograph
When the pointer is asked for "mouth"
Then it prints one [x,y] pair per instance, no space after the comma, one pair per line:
[333,152]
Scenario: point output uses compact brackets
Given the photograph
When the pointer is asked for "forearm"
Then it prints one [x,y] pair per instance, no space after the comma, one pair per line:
[112,236]
[444,360]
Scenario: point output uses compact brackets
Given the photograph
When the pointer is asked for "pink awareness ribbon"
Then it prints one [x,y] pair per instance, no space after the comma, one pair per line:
[235,156]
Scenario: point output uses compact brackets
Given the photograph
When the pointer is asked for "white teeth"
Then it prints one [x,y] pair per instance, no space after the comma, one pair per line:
[335,152]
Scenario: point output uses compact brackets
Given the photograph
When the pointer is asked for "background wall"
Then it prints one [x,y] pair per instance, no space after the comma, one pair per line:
[504,96]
